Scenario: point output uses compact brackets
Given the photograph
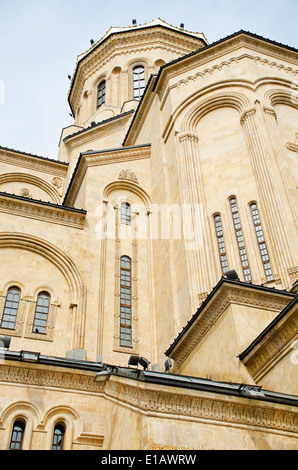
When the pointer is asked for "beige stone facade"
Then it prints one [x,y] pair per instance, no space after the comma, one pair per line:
[167,230]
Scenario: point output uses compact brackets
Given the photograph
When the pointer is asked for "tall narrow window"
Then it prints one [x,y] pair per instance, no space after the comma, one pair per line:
[11,307]
[41,313]
[221,244]
[58,437]
[240,240]
[138,82]
[125,302]
[125,213]
[261,242]
[17,435]
[101,94]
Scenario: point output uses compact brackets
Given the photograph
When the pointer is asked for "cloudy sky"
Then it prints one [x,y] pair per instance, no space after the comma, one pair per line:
[41,39]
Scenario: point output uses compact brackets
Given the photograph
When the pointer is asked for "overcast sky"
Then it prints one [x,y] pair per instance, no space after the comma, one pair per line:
[41,39]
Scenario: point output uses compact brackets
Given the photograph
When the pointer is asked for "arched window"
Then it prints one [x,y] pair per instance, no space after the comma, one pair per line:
[138,82]
[221,243]
[11,307]
[41,313]
[101,94]
[240,240]
[58,437]
[125,302]
[125,213]
[17,435]
[261,241]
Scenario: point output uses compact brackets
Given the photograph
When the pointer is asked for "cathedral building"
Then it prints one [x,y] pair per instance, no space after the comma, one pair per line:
[148,275]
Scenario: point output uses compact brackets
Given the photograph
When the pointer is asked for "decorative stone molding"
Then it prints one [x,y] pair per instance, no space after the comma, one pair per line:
[237,412]
[103,158]
[128,175]
[293,273]
[39,210]
[33,162]
[20,319]
[51,193]
[25,192]
[293,146]
[225,47]
[212,312]
[273,346]
[46,377]
[139,41]
[150,400]
[50,329]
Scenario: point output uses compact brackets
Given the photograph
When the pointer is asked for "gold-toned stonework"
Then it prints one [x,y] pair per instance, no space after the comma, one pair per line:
[191,177]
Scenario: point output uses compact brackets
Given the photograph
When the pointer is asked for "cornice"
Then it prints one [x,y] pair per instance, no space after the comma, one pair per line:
[97,131]
[230,44]
[212,309]
[202,406]
[47,212]
[274,343]
[49,377]
[106,157]
[33,162]
[159,401]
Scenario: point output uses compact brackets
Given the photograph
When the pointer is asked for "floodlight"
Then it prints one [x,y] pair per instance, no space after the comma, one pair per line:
[5,342]
[103,375]
[144,363]
[232,275]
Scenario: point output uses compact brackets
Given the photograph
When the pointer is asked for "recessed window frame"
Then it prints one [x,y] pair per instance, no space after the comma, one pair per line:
[101,93]
[126,213]
[41,314]
[17,434]
[11,308]
[138,81]
[261,241]
[240,239]
[221,243]
[125,302]
[58,433]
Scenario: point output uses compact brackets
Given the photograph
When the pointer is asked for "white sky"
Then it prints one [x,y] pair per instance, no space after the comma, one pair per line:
[41,39]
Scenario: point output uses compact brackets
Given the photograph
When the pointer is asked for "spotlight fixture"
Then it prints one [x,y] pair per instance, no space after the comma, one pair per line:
[91,42]
[136,360]
[104,375]
[182,25]
[133,361]
[93,123]
[134,22]
[5,342]
[69,76]
[29,356]
[251,390]
[144,363]
[168,365]
[232,275]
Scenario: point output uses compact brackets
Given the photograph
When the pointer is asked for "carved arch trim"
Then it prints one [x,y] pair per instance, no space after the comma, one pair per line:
[34,180]
[65,265]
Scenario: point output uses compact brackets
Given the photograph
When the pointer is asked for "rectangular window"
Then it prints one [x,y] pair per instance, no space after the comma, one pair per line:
[125,302]
[221,244]
[240,240]
[261,242]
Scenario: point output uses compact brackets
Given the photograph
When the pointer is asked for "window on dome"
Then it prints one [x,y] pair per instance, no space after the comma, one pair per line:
[101,94]
[138,82]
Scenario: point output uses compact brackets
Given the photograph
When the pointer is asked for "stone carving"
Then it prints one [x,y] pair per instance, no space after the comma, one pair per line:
[25,192]
[293,146]
[128,175]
